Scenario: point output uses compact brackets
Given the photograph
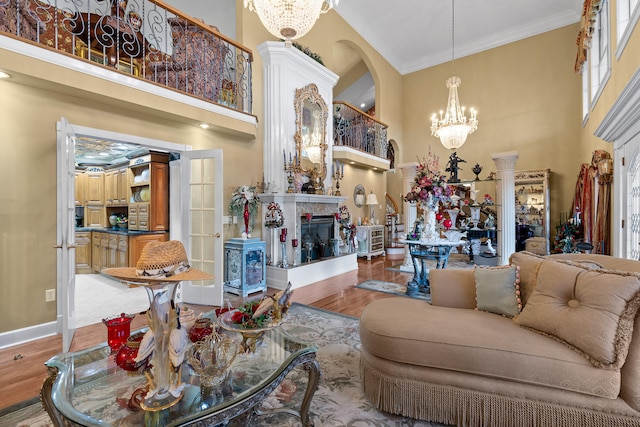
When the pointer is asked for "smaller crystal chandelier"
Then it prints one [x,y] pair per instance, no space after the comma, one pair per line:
[289,19]
[454,127]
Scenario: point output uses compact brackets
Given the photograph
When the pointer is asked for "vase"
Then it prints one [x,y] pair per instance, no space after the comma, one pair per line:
[200,330]
[126,356]
[475,216]
[429,232]
[453,215]
[118,330]
[163,380]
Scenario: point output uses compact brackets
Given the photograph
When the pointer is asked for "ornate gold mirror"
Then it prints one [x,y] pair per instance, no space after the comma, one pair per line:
[310,137]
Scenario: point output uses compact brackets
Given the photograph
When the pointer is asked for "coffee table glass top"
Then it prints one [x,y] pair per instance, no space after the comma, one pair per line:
[92,390]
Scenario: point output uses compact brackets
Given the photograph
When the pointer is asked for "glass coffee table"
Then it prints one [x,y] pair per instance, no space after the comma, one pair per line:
[87,388]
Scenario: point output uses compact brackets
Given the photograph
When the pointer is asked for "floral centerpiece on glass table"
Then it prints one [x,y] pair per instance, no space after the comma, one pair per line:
[254,318]
[244,202]
[429,191]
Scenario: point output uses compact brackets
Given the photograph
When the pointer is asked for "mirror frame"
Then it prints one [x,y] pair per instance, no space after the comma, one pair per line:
[310,93]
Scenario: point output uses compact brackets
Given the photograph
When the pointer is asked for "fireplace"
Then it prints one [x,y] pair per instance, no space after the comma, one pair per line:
[317,237]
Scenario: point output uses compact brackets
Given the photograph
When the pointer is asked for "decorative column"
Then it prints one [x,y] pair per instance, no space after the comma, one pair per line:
[410,210]
[506,199]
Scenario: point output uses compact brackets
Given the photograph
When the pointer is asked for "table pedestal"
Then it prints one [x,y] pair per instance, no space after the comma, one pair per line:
[420,252]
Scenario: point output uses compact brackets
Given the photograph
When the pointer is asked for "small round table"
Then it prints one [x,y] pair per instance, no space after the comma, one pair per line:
[422,250]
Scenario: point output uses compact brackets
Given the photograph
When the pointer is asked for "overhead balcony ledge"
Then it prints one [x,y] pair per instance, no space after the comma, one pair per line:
[361,159]
[36,66]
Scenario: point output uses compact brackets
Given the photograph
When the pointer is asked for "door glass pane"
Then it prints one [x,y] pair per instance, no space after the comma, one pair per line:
[208,174]
[196,222]
[196,249]
[209,196]
[196,197]
[196,172]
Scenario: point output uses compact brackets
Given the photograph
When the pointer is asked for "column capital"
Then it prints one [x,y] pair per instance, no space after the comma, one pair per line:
[506,160]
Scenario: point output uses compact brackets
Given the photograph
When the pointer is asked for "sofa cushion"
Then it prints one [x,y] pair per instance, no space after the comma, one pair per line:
[528,263]
[590,310]
[498,289]
[412,331]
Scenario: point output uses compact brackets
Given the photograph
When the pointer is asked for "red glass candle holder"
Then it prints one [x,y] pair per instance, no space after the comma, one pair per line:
[118,330]
[201,329]
[283,235]
[294,243]
[126,356]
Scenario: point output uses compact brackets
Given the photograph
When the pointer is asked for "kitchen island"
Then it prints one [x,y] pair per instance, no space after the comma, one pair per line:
[102,247]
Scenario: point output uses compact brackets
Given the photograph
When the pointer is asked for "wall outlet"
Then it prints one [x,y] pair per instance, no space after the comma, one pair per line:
[49,295]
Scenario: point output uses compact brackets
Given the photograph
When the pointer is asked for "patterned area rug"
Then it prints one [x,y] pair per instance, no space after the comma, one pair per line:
[339,400]
[390,288]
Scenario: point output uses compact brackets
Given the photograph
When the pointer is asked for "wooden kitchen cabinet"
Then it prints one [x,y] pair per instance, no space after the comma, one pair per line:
[137,243]
[122,183]
[96,251]
[83,252]
[94,189]
[95,216]
[149,192]
[81,182]
[122,254]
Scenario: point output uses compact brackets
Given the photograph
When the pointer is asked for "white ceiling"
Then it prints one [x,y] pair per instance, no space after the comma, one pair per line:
[416,34]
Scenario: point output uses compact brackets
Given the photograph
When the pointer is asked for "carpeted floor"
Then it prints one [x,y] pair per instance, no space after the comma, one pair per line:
[390,288]
[339,400]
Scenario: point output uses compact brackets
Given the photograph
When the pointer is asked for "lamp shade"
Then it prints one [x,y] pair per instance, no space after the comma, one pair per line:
[372,199]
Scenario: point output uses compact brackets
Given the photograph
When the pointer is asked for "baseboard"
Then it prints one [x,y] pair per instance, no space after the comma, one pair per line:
[21,336]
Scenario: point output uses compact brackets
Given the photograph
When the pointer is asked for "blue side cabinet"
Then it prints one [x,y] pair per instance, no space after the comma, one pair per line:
[245,266]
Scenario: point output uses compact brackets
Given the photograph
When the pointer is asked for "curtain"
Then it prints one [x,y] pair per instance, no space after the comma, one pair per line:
[583,201]
[590,9]
[602,224]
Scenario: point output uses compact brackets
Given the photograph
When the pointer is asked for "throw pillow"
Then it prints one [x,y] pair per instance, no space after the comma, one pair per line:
[590,310]
[528,263]
[497,289]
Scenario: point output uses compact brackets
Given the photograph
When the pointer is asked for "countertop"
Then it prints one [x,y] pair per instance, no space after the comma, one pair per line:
[120,231]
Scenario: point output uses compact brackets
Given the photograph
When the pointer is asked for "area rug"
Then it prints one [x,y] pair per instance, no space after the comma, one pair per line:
[390,288]
[339,400]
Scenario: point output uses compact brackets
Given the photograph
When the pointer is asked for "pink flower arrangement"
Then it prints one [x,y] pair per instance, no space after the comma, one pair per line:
[430,185]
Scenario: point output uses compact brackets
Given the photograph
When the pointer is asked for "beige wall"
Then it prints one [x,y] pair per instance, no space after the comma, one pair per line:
[528,100]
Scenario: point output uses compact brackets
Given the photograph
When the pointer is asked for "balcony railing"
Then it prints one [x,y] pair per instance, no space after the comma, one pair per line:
[356,129]
[146,39]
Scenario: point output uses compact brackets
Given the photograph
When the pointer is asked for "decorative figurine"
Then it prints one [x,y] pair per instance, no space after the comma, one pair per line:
[476,170]
[453,168]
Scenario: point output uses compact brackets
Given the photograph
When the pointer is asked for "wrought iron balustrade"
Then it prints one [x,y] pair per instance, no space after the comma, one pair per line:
[146,39]
[356,129]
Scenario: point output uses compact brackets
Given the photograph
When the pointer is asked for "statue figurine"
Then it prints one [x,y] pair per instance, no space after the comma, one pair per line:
[453,168]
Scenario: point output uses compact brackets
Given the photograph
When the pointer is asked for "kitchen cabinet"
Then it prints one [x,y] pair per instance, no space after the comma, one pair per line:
[122,252]
[83,252]
[81,182]
[95,216]
[532,210]
[110,187]
[149,192]
[116,187]
[96,251]
[138,242]
[370,240]
[94,189]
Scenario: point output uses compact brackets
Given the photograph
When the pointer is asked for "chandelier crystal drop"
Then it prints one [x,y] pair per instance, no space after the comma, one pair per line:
[289,19]
[453,127]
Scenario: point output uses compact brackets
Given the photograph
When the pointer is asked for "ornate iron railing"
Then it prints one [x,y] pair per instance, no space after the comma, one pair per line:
[146,39]
[356,129]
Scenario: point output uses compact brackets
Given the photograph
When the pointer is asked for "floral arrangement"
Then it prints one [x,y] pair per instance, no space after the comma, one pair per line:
[430,185]
[309,53]
[244,316]
[274,217]
[344,216]
[488,200]
[241,196]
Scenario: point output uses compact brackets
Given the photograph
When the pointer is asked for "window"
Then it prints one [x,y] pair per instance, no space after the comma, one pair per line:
[627,16]
[599,53]
[585,92]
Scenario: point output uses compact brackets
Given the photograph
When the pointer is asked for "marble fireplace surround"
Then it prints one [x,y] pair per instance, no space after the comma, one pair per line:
[294,206]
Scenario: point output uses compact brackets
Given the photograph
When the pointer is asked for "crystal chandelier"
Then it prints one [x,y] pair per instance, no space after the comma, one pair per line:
[454,127]
[289,19]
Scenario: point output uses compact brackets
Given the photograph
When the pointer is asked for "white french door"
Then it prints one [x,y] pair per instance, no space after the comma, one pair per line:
[195,212]
[65,233]
[198,204]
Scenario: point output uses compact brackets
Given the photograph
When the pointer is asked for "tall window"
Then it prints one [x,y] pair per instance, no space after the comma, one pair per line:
[585,91]
[599,53]
[627,16]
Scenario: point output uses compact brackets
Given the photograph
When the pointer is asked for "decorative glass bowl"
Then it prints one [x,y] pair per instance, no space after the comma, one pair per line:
[211,358]
[250,336]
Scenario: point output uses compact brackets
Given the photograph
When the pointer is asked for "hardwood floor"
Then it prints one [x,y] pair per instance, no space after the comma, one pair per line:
[22,366]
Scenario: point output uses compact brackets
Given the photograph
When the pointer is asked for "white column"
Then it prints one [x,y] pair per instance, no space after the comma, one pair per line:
[506,200]
[410,210]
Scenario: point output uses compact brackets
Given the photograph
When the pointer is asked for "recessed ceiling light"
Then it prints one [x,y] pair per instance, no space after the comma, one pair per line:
[352,163]
[362,105]
[4,75]
[204,125]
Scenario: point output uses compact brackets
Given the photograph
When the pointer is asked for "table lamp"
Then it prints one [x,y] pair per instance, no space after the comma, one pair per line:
[372,200]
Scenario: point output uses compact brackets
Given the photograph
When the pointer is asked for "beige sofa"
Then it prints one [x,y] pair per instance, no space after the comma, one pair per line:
[450,363]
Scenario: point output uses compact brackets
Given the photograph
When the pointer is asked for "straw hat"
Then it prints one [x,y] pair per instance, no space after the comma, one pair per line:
[159,262]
